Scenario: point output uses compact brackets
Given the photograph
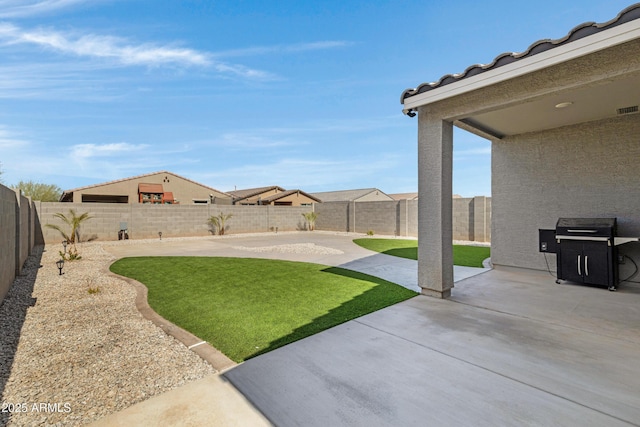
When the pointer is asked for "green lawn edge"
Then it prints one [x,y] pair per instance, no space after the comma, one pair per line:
[463,255]
[249,306]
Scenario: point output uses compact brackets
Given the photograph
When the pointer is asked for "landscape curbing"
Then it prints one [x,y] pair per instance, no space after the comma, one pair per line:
[207,352]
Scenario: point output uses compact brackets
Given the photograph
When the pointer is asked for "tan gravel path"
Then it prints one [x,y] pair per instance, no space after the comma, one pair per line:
[69,357]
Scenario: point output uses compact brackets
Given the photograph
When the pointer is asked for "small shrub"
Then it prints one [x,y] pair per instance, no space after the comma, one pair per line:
[217,223]
[71,255]
[310,217]
[95,290]
[370,233]
[73,222]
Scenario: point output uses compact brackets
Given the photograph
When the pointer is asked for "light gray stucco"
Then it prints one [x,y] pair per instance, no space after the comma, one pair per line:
[588,170]
[435,235]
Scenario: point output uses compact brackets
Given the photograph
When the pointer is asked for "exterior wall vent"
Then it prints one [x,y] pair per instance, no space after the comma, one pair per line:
[627,110]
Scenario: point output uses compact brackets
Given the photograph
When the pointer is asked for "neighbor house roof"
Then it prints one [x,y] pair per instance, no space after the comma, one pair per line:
[68,192]
[345,195]
[404,196]
[250,192]
[150,188]
[288,193]
[583,30]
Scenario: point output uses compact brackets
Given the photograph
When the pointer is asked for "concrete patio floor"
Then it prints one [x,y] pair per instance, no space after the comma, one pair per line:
[510,347]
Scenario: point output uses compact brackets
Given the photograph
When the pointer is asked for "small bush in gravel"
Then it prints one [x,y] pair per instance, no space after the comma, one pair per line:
[73,220]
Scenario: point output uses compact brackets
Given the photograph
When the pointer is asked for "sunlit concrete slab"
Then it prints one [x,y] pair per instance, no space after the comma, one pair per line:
[211,401]
[432,362]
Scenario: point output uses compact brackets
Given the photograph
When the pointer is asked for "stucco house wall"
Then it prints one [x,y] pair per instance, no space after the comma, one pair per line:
[587,170]
[577,167]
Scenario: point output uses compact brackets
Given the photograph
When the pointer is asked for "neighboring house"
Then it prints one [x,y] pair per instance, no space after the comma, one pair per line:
[153,188]
[290,198]
[563,122]
[273,195]
[404,196]
[361,195]
[413,196]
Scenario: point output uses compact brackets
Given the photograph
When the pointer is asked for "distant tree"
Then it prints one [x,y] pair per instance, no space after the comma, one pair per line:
[39,191]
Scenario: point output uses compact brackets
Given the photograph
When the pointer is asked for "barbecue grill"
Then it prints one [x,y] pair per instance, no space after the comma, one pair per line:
[586,251]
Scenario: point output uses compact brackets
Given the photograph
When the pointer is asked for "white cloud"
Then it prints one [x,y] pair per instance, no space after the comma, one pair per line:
[22,8]
[122,52]
[10,140]
[291,48]
[86,151]
[106,47]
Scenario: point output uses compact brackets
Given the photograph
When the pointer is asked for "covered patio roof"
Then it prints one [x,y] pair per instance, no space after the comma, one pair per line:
[581,100]
[591,74]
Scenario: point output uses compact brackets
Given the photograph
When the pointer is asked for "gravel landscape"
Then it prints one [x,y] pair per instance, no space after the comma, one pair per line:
[74,348]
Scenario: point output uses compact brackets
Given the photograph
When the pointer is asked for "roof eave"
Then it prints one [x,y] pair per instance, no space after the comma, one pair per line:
[582,47]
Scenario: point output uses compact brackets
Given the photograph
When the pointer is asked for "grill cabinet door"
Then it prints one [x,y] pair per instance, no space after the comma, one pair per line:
[585,262]
[596,263]
[572,261]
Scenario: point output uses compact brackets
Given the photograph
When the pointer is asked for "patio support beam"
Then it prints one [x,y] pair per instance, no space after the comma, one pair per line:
[435,228]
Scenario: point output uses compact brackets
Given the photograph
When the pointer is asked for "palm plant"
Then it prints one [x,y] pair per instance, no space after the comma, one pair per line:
[73,221]
[218,222]
[310,217]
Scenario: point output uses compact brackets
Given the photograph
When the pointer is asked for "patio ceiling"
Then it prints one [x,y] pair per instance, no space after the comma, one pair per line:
[607,99]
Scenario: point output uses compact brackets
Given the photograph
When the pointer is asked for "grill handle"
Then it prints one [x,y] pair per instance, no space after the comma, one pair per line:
[586,265]
[579,271]
[589,238]
[582,231]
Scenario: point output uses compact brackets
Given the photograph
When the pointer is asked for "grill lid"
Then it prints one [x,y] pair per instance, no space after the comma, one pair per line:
[586,226]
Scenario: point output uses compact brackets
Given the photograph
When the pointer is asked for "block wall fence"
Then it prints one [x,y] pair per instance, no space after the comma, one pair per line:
[17,235]
[146,221]
[471,218]
[23,222]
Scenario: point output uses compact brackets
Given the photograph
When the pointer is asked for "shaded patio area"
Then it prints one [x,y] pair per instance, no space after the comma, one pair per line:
[510,347]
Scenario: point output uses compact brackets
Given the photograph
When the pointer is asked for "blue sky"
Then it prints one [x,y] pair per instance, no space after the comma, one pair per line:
[301,94]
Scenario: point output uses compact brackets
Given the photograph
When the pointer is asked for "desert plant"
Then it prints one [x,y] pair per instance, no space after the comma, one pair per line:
[310,217]
[218,223]
[73,221]
[71,255]
[370,233]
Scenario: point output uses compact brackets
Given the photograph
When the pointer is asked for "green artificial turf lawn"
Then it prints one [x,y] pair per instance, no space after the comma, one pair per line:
[245,307]
[469,256]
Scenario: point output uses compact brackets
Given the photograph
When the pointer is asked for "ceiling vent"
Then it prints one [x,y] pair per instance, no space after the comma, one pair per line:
[627,110]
